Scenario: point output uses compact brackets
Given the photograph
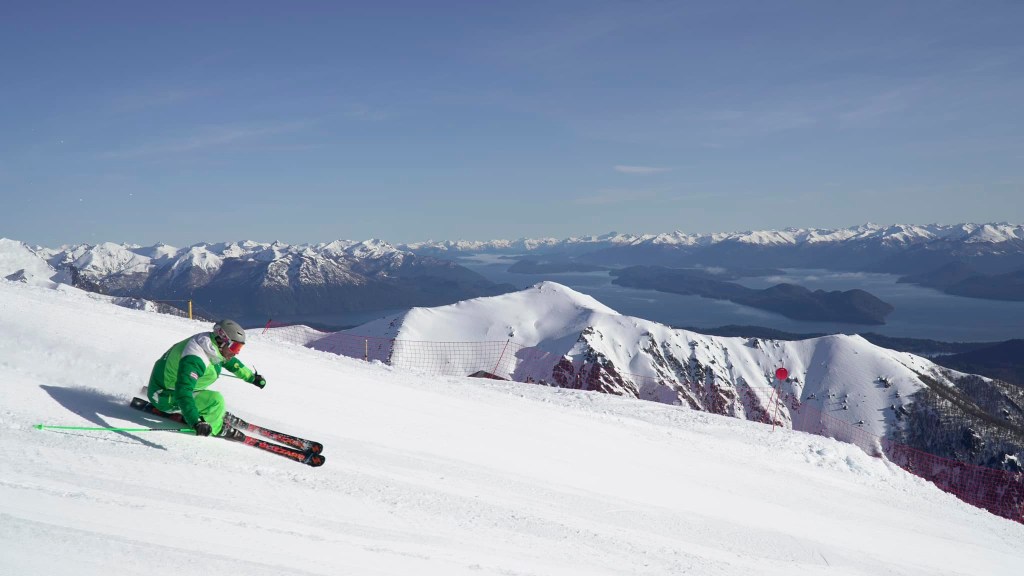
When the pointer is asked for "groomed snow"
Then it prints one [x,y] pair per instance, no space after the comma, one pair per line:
[425,476]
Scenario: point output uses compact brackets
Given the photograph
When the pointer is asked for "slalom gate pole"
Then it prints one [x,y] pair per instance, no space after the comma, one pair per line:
[102,429]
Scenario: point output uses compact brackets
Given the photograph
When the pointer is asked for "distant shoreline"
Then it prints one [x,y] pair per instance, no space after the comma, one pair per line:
[791,300]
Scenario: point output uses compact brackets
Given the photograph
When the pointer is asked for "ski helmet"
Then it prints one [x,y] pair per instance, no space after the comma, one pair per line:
[229,333]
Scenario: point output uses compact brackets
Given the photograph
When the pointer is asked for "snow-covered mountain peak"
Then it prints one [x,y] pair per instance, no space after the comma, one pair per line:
[109,258]
[815,236]
[767,237]
[268,252]
[995,234]
[236,249]
[371,249]
[157,251]
[677,237]
[199,257]
[573,340]
[546,292]
[337,247]
[536,243]
[610,238]
[545,311]
[901,234]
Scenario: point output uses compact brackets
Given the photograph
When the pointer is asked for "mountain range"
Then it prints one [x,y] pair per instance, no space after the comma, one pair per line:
[961,237]
[253,281]
[332,283]
[905,250]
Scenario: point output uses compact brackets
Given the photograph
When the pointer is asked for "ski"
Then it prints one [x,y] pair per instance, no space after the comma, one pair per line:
[245,426]
[286,439]
[307,457]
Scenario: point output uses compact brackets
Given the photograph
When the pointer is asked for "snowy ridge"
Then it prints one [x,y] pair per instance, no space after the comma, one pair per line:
[994,234]
[282,278]
[196,257]
[431,476]
[163,271]
[252,279]
[108,258]
[546,311]
[585,344]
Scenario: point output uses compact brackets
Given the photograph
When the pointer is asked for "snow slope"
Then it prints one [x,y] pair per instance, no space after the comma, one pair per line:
[425,476]
[17,258]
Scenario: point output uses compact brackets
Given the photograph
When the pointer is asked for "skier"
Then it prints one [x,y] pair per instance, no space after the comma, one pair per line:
[182,375]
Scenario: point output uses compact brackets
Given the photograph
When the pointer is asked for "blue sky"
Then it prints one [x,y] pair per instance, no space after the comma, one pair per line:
[186,122]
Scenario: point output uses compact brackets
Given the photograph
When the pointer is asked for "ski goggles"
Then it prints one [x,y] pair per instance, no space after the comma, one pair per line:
[224,342]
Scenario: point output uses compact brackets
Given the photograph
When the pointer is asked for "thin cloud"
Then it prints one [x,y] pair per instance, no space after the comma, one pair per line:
[210,137]
[642,170]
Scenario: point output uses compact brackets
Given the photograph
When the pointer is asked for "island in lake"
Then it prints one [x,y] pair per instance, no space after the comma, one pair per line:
[959,279]
[790,300]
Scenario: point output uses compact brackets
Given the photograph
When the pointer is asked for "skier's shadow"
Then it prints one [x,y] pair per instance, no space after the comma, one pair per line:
[96,406]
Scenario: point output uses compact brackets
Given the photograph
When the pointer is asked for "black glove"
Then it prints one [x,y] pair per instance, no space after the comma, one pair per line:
[258,380]
[203,428]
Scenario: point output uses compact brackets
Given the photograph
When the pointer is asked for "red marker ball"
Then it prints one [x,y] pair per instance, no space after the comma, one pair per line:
[782,373]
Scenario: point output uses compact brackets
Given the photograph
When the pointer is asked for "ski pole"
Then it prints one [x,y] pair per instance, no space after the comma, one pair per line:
[102,429]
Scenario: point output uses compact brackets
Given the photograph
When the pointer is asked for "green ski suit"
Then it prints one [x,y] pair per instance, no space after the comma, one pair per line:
[182,375]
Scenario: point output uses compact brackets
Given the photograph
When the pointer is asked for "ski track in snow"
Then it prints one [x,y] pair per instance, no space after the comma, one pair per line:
[429,475]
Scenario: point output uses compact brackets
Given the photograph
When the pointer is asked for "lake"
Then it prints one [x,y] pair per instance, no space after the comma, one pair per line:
[920,312]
